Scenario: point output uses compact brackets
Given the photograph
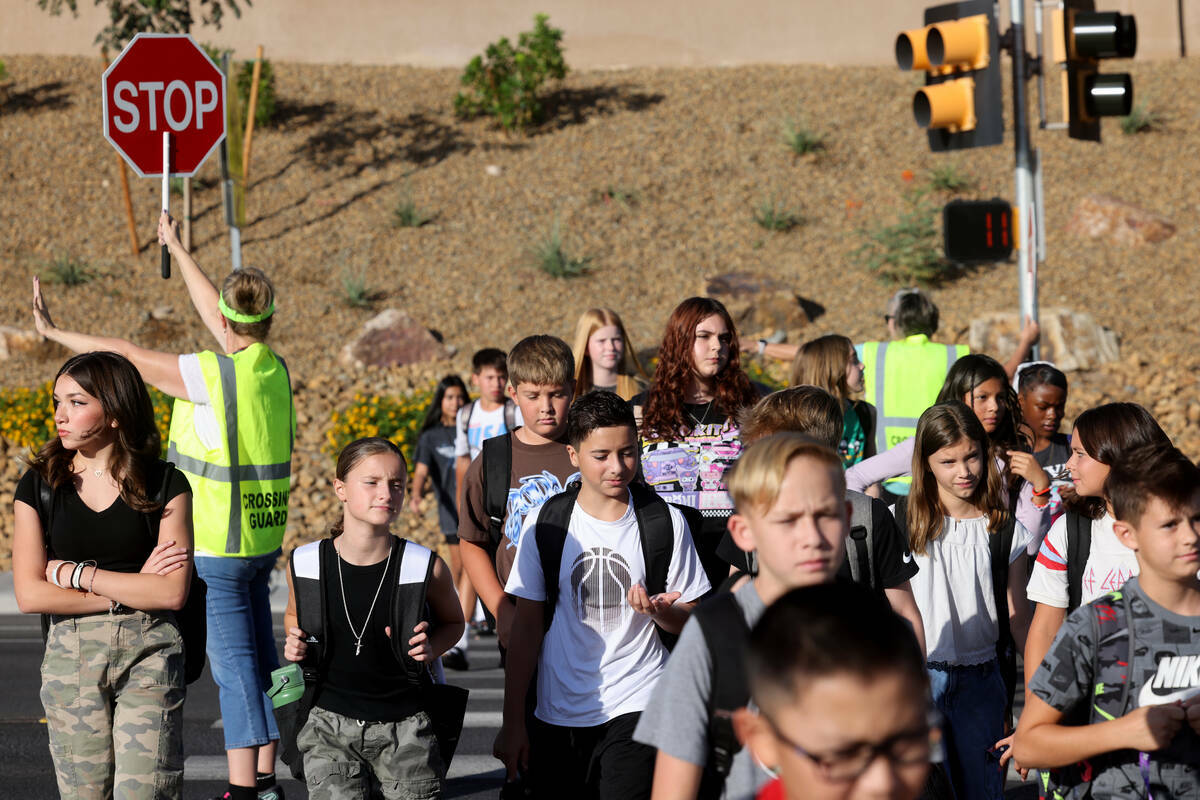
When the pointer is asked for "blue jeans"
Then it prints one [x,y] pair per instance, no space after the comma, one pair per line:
[971,700]
[241,645]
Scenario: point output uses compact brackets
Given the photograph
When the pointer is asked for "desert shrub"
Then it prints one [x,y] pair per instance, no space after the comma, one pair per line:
[355,291]
[1140,120]
[395,418]
[68,271]
[907,251]
[800,139]
[3,71]
[264,111]
[624,197]
[407,214]
[504,82]
[550,257]
[948,178]
[772,215]
[27,414]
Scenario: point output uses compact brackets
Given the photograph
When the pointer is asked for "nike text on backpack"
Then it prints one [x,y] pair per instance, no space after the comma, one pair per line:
[408,575]
[192,619]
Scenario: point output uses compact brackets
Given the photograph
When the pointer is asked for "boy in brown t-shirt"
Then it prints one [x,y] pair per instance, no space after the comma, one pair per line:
[541,373]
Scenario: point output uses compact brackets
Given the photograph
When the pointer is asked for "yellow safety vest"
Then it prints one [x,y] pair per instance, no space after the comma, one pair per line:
[902,379]
[240,487]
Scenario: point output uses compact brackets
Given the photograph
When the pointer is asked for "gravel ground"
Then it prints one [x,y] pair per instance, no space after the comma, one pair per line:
[695,149]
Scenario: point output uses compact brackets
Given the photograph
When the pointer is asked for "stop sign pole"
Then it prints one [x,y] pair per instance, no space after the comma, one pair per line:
[164,108]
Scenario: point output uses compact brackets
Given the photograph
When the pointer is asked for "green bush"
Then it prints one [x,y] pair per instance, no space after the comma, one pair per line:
[770,375]
[264,111]
[800,140]
[3,71]
[355,291]
[396,418]
[503,83]
[68,271]
[549,256]
[948,178]
[1140,120]
[907,251]
[773,216]
[407,214]
[27,415]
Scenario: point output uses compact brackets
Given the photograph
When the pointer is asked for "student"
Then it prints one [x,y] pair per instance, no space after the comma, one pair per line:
[588,620]
[842,710]
[109,566]
[1082,558]
[533,464]
[970,588]
[688,418]
[493,414]
[981,383]
[1042,394]
[1119,688]
[792,509]
[368,733]
[604,358]
[435,464]
[879,557]
[831,363]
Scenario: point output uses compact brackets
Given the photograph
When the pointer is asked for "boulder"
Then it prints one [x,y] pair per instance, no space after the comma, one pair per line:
[390,339]
[19,341]
[760,306]
[1104,216]
[1072,340]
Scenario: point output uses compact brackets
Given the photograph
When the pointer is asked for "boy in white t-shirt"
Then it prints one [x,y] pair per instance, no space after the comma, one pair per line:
[592,632]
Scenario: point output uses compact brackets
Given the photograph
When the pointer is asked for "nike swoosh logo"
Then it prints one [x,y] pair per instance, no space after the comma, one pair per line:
[1149,697]
[907,557]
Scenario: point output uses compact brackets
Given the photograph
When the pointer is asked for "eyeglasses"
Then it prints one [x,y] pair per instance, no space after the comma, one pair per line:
[906,748]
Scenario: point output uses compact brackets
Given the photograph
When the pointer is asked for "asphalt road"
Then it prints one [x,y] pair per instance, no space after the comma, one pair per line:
[27,772]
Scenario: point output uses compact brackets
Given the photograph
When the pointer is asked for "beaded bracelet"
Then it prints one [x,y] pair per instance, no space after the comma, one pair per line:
[54,575]
[92,582]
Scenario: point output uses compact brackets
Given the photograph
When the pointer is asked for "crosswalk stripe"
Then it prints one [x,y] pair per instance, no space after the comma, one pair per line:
[473,719]
[216,768]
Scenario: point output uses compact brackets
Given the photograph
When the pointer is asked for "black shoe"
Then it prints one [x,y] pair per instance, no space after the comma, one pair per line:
[455,658]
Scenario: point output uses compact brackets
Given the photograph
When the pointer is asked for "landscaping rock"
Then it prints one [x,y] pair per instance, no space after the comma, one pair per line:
[21,342]
[760,306]
[1104,216]
[391,339]
[1072,340]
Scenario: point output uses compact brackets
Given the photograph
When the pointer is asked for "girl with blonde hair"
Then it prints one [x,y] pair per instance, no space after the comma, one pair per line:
[604,359]
[831,363]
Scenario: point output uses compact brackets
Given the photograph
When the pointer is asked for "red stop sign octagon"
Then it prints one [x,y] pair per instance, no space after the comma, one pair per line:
[164,82]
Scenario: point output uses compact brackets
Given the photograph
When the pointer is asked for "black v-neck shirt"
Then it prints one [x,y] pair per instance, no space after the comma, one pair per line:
[116,538]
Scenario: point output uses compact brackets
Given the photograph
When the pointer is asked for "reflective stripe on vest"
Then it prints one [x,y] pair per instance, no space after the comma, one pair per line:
[234,474]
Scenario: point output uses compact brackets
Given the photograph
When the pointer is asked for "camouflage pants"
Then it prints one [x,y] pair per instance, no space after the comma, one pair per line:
[345,759]
[113,690]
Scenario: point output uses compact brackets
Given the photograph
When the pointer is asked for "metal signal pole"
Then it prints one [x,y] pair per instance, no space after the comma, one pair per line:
[1028,208]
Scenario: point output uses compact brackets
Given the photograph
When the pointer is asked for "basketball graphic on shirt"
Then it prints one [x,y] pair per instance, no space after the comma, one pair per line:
[600,580]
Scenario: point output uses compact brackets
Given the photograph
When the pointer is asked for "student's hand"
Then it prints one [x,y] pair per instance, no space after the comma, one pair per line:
[421,651]
[294,647]
[41,313]
[1030,331]
[168,231]
[1153,727]
[512,747]
[651,606]
[1192,707]
[1025,465]
[414,504]
[1007,755]
[506,612]
[164,559]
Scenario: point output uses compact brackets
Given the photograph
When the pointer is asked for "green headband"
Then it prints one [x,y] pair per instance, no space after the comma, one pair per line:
[238,316]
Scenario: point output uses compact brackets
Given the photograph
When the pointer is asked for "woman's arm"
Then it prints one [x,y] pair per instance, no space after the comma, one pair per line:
[157,368]
[152,591]
[446,613]
[202,291]
[888,464]
[35,594]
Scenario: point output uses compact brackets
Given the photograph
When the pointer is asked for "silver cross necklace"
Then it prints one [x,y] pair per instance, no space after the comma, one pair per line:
[358,636]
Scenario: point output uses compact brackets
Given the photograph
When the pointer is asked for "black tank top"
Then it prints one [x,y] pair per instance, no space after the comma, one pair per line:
[371,686]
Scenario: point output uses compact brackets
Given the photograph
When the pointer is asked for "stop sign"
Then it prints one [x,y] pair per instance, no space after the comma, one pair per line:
[164,82]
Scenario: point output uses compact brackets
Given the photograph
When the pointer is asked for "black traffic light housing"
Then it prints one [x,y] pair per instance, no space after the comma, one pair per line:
[1084,36]
[959,49]
[977,231]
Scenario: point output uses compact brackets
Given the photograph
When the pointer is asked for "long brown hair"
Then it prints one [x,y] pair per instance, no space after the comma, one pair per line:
[591,321]
[944,425]
[115,383]
[664,415]
[355,452]
[822,362]
[1108,433]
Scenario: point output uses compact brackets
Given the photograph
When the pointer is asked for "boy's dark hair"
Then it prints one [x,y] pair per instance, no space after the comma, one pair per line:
[597,409]
[805,409]
[489,357]
[828,629]
[914,312]
[1151,471]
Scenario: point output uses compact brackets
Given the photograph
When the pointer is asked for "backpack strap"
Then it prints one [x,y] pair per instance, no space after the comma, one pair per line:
[45,506]
[863,410]
[1079,547]
[657,534]
[550,533]
[725,632]
[411,569]
[466,421]
[307,566]
[860,545]
[496,474]
[1000,546]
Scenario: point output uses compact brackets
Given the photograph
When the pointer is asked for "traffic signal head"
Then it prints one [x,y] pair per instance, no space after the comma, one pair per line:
[961,103]
[977,230]
[1082,37]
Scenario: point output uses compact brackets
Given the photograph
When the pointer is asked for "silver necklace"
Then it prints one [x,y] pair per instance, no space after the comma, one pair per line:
[700,421]
[358,637]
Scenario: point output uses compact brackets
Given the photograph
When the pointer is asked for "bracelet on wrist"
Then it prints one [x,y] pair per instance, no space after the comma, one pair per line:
[1043,492]
[54,575]
[92,582]
[762,346]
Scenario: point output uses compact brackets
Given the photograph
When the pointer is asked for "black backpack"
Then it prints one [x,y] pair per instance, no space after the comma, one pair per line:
[1079,547]
[408,575]
[192,619]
